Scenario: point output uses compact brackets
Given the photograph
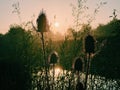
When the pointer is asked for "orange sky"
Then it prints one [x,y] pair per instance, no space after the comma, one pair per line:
[59,8]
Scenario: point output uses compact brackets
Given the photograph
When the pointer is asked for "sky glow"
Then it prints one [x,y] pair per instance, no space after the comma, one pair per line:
[30,9]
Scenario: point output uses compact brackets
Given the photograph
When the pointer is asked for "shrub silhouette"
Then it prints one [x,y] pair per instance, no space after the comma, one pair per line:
[13,76]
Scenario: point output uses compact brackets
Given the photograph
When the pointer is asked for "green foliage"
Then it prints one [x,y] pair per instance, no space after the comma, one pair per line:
[69,49]
[13,75]
[106,62]
[20,46]
[108,30]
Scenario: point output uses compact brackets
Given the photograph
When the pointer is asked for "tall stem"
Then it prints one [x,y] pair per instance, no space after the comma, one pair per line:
[44,55]
[87,70]
[43,45]
[53,76]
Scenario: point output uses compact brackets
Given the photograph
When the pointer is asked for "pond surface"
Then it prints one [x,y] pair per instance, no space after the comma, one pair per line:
[64,80]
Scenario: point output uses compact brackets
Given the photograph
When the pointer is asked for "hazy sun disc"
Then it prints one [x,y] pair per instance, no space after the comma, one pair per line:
[56,24]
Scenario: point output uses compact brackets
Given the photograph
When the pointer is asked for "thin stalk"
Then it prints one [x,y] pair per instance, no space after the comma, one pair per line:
[87,71]
[44,55]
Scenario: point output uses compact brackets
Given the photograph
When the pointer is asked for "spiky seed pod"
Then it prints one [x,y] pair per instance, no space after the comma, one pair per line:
[53,58]
[89,44]
[42,24]
[78,64]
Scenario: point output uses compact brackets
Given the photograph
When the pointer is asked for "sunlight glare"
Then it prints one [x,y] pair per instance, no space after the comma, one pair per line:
[56,24]
[57,71]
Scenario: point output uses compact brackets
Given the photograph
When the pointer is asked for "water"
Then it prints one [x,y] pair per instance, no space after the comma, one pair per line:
[64,80]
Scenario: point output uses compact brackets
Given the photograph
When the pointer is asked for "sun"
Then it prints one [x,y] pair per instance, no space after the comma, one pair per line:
[56,24]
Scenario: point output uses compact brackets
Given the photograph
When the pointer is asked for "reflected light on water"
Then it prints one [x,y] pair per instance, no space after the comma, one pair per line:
[56,71]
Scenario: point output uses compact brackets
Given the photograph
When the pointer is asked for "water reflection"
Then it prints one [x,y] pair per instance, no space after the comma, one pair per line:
[67,80]
[58,71]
